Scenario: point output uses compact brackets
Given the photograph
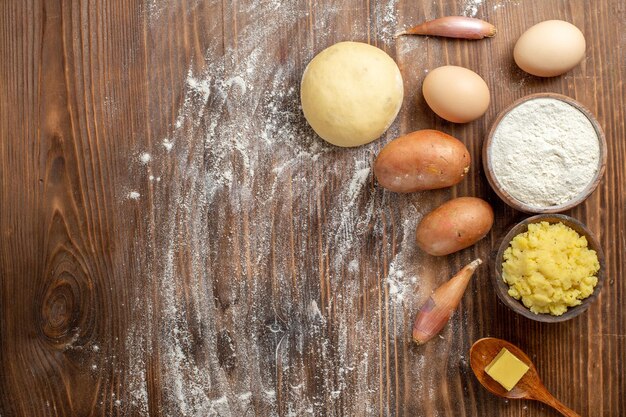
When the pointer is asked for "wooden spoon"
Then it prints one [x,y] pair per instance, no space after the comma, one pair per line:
[529,387]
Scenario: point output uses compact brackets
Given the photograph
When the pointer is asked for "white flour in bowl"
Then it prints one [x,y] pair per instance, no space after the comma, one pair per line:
[545,152]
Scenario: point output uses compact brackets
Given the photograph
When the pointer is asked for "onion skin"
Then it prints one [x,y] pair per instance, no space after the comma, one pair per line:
[459,27]
[436,312]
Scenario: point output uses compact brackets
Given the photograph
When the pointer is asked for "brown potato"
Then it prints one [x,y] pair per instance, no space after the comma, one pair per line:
[422,160]
[455,225]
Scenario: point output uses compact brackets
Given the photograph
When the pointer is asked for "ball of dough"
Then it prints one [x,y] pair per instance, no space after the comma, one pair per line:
[351,92]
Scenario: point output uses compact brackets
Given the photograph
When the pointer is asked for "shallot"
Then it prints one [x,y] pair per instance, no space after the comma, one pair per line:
[436,312]
[460,27]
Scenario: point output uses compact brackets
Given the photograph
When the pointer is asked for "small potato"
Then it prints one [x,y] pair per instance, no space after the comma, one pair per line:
[422,160]
[455,225]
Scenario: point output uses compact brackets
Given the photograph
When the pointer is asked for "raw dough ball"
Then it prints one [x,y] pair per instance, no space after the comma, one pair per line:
[351,93]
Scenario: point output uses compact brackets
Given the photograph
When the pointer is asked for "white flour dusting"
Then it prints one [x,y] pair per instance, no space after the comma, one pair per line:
[403,274]
[244,180]
[505,3]
[201,87]
[389,20]
[345,225]
[470,7]
[145,158]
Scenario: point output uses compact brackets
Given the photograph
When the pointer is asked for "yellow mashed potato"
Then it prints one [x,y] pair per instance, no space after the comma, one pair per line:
[550,268]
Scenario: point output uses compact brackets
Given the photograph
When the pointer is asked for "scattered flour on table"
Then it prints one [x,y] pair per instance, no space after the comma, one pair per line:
[241,149]
[404,273]
[470,7]
[344,225]
[387,18]
[505,3]
[145,158]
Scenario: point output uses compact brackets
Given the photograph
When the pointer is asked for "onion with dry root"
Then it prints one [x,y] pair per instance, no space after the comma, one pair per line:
[436,312]
[460,27]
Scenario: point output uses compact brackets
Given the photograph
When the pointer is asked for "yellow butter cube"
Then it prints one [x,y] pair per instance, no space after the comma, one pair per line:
[506,369]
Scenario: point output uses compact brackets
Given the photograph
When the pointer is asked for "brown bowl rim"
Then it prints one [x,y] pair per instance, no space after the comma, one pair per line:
[502,287]
[520,205]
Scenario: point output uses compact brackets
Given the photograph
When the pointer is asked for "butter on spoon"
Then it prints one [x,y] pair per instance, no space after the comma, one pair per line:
[506,369]
[528,387]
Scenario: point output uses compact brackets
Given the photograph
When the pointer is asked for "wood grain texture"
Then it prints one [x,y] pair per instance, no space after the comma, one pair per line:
[177,242]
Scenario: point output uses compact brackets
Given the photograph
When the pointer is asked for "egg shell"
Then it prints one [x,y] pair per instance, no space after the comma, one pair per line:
[456,94]
[550,48]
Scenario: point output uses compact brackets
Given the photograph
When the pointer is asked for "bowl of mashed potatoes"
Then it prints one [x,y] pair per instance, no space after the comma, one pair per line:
[549,268]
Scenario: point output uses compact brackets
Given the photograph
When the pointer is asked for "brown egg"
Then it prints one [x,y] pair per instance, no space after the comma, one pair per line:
[550,48]
[456,94]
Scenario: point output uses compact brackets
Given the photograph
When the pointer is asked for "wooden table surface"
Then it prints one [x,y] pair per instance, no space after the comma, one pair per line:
[178,242]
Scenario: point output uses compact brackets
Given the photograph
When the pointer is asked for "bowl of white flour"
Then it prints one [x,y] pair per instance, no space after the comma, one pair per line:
[545,153]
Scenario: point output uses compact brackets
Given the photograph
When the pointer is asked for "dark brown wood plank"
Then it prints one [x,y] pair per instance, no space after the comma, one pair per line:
[61,286]
[179,242]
